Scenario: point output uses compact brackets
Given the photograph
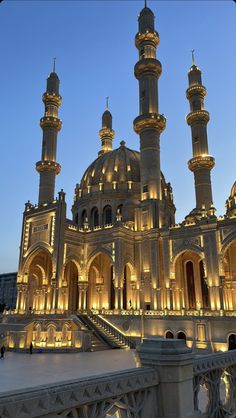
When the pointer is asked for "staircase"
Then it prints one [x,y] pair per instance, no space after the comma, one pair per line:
[98,343]
[110,334]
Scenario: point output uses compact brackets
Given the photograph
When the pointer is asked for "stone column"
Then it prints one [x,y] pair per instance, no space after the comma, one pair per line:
[173,361]
[84,296]
[18,300]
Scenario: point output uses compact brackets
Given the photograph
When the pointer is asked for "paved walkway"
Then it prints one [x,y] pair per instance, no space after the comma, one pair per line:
[22,371]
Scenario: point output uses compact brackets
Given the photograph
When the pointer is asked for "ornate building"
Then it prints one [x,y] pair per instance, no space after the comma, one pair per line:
[122,255]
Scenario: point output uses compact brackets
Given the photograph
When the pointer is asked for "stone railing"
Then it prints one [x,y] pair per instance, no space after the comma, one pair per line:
[167,384]
[215,385]
[130,393]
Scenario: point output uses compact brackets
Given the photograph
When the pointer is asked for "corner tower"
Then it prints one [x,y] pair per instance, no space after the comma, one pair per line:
[48,168]
[149,124]
[202,163]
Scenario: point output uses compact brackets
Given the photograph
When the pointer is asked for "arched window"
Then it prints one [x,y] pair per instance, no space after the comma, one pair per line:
[83,218]
[169,334]
[232,342]
[190,285]
[51,334]
[77,218]
[107,215]
[181,336]
[94,217]
[119,209]
[205,291]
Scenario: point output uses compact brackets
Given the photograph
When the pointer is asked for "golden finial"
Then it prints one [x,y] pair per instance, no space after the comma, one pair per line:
[54,64]
[107,100]
[193,57]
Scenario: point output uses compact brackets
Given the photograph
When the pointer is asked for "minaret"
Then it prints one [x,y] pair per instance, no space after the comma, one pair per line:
[149,124]
[202,163]
[106,133]
[48,168]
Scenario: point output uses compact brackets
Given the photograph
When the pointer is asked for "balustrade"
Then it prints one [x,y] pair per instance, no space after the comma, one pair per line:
[215,377]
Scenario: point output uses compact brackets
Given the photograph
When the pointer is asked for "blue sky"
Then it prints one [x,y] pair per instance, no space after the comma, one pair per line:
[94,45]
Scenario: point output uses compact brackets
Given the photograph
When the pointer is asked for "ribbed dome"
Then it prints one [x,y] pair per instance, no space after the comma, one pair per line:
[120,165]
[233,190]
[231,201]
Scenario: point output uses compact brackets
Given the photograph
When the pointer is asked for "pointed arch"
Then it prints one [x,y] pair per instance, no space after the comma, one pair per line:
[33,252]
[99,281]
[71,279]
[229,273]
[38,269]
[191,289]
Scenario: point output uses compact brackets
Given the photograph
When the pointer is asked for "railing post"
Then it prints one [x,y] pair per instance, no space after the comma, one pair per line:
[173,361]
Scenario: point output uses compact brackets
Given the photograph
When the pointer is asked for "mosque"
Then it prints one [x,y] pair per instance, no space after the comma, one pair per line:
[122,259]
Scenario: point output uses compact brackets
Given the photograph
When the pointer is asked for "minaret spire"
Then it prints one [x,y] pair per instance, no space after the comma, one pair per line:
[48,168]
[54,65]
[149,124]
[193,58]
[106,133]
[202,163]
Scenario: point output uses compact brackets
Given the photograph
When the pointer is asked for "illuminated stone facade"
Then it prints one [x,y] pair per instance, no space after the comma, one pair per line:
[122,253]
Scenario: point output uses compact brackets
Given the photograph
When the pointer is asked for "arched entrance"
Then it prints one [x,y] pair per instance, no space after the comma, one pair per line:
[71,278]
[39,276]
[190,285]
[232,342]
[128,301]
[230,277]
[191,290]
[205,291]
[100,291]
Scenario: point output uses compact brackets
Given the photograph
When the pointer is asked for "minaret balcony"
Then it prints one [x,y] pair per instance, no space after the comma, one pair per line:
[198,116]
[202,161]
[147,65]
[106,133]
[196,90]
[47,165]
[50,122]
[52,98]
[151,37]
[150,121]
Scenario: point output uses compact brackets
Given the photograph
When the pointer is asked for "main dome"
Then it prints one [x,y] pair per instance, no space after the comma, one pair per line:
[112,183]
[114,168]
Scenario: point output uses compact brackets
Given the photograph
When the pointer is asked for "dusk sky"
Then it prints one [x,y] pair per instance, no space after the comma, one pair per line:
[94,45]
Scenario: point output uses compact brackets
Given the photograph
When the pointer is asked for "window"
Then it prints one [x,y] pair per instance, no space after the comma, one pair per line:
[94,217]
[107,215]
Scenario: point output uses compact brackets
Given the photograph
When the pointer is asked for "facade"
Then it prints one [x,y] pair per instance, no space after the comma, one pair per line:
[122,254]
[8,290]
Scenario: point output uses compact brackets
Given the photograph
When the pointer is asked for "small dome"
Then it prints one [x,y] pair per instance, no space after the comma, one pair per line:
[53,83]
[107,119]
[194,75]
[146,20]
